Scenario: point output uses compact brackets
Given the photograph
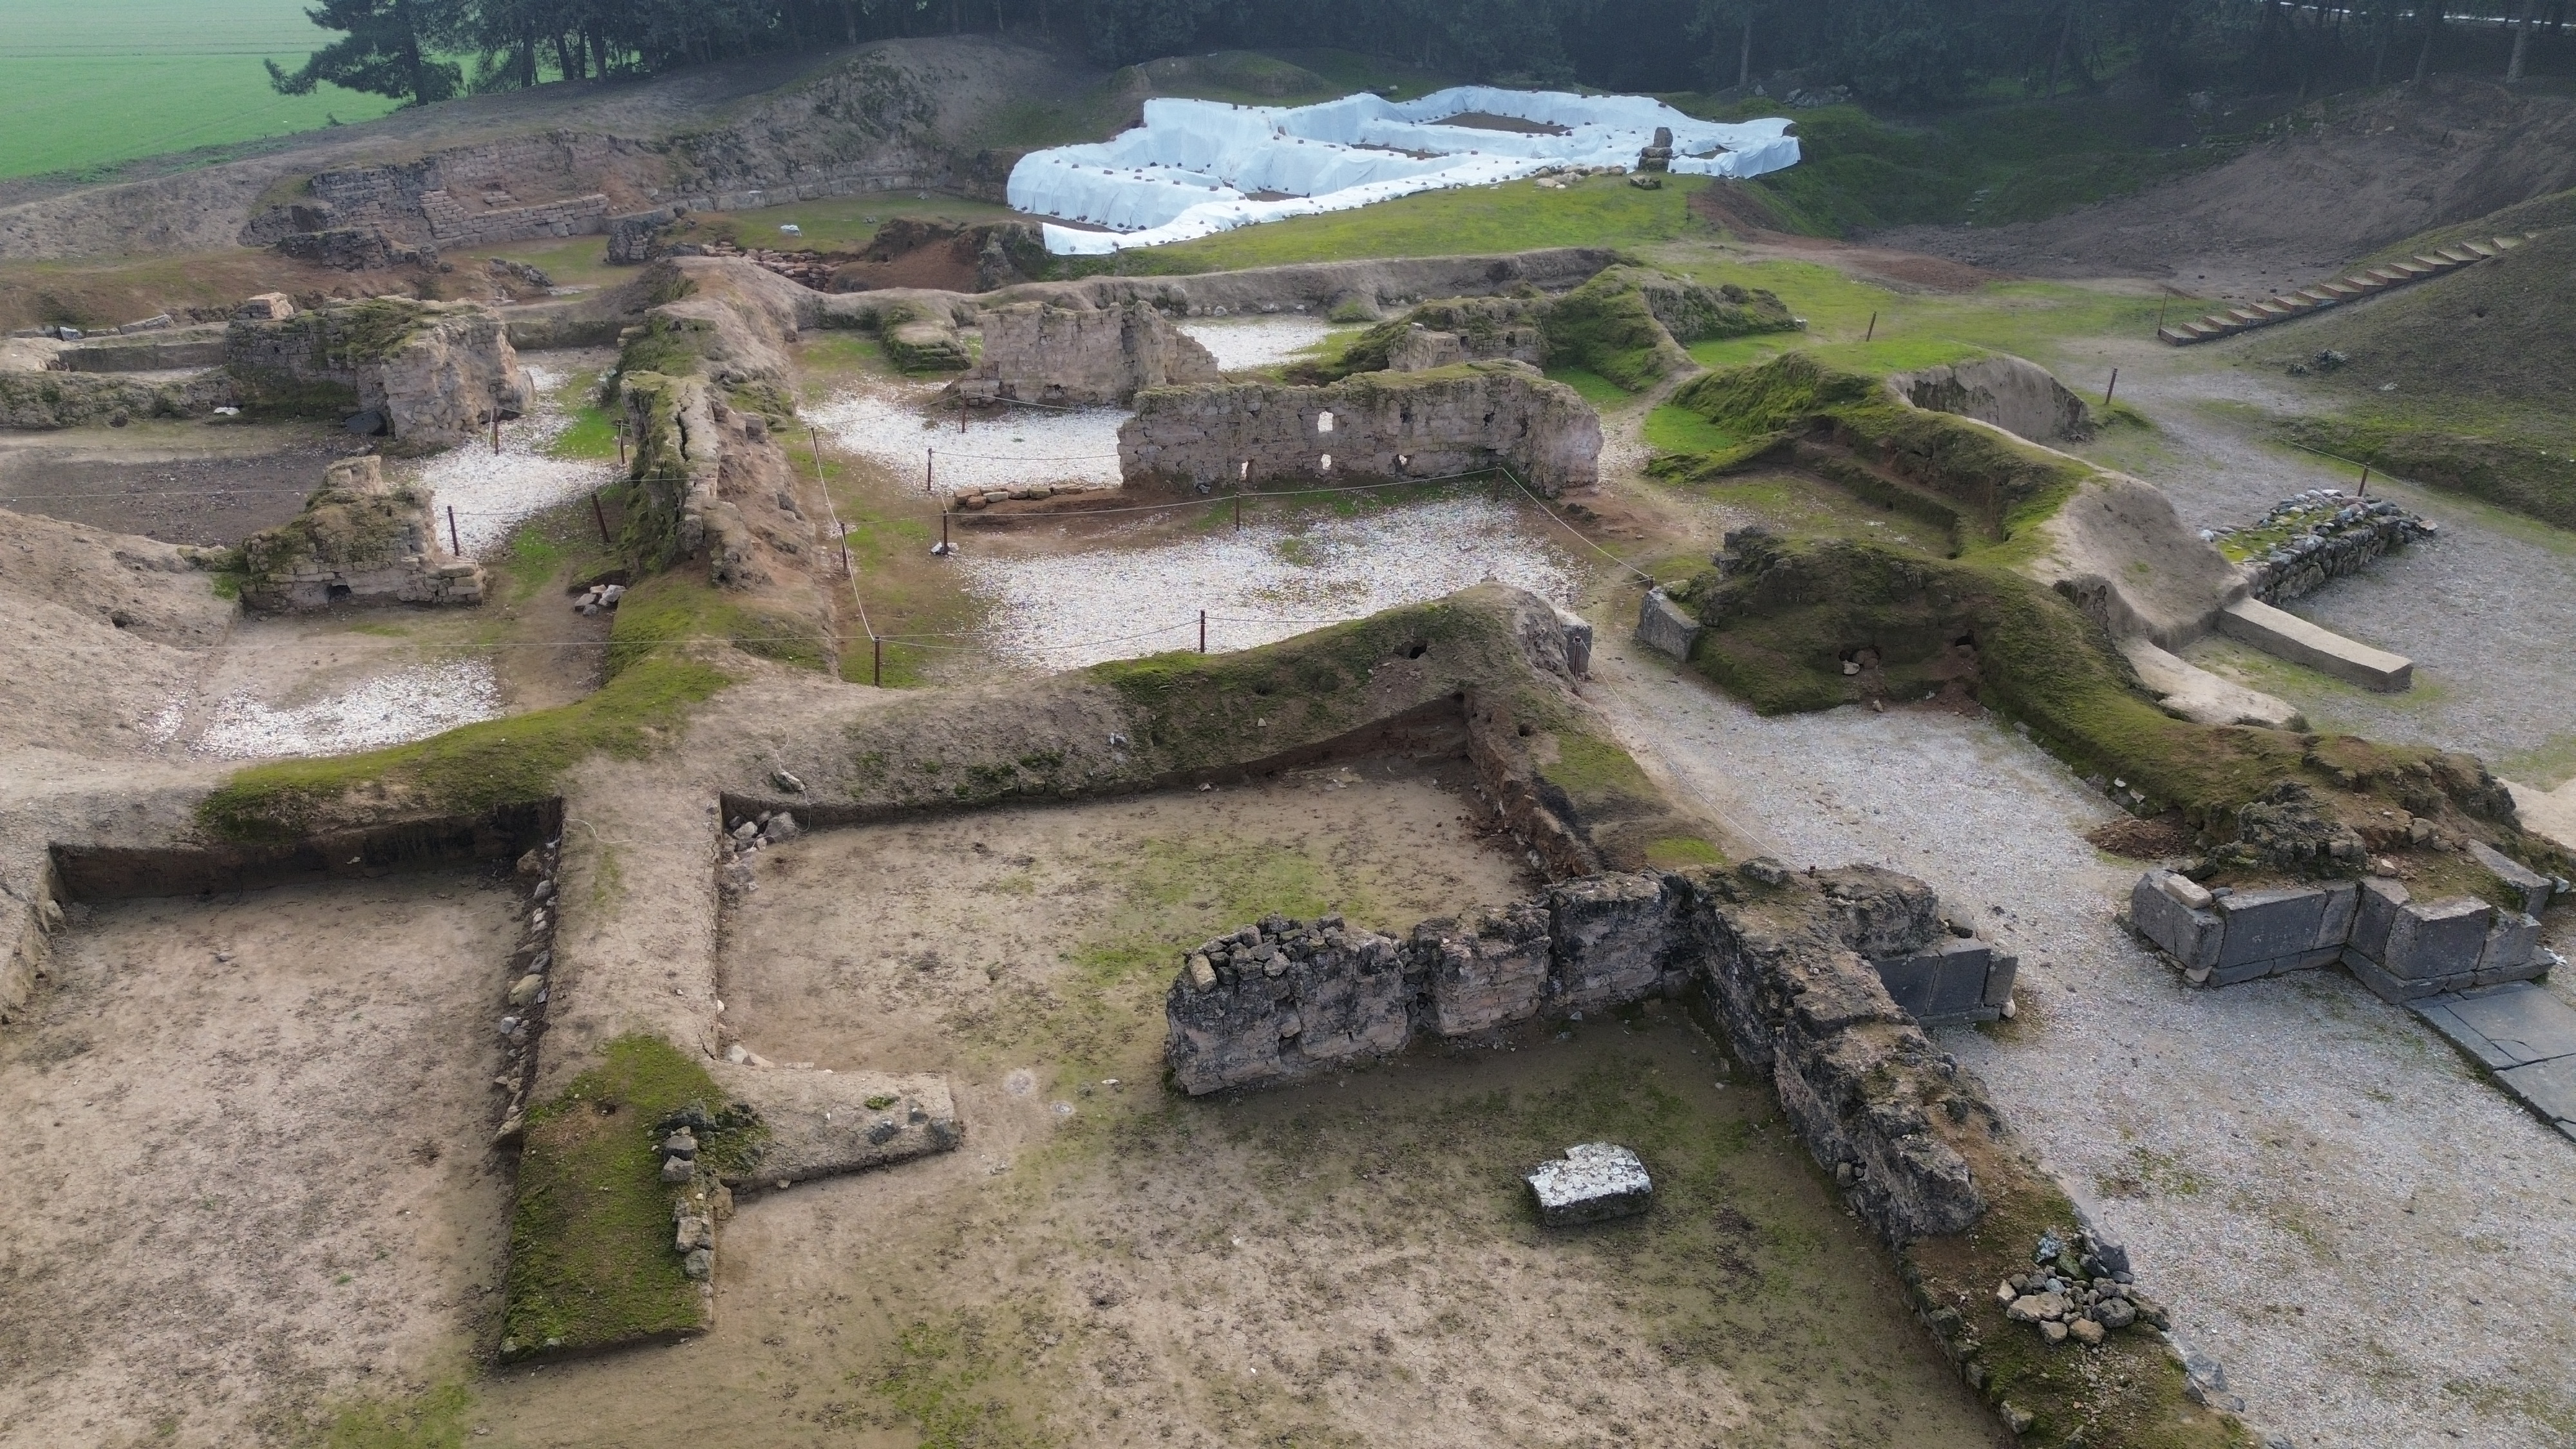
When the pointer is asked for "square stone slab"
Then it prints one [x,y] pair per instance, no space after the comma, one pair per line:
[2504,1026]
[1591,1183]
[2548,1088]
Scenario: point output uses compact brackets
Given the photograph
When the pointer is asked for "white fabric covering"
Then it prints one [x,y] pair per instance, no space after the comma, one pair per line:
[1193,168]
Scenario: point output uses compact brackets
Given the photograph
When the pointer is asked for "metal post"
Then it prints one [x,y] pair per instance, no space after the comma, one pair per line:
[876,674]
[929,468]
[496,430]
[2115,383]
[2365,481]
[943,533]
[1238,511]
[453,546]
[621,442]
[1202,631]
[1873,328]
[600,514]
[2161,303]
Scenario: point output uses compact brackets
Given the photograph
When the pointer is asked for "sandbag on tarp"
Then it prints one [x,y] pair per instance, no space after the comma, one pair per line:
[1198,167]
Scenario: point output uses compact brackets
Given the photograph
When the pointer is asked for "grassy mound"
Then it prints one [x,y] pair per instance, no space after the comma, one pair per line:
[591,1256]
[2482,364]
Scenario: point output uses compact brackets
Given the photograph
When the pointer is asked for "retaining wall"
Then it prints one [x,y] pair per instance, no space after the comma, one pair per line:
[1795,969]
[2401,948]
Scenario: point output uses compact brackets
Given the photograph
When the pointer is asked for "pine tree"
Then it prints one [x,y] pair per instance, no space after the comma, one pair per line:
[389,49]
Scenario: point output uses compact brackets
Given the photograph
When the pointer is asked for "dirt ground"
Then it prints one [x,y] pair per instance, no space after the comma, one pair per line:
[255,1134]
[2289,210]
[1341,1263]
[211,483]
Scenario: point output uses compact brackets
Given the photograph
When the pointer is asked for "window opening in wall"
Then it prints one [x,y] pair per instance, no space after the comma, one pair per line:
[1243,474]
[1324,464]
[1323,422]
[341,591]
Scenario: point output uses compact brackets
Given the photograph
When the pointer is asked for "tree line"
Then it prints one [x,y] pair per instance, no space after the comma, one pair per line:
[1906,53]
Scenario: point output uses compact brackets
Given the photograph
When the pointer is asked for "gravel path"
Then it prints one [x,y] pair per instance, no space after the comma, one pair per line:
[2375,1244]
[886,425]
[2486,613]
[391,709]
[493,493]
[1270,581]
[1252,342]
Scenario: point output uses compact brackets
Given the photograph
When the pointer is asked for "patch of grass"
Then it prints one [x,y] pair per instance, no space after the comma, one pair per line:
[1670,429]
[843,223]
[593,434]
[533,560]
[2530,471]
[950,1378]
[1682,852]
[434,1419]
[1597,390]
[1516,216]
[472,769]
[591,1258]
[672,609]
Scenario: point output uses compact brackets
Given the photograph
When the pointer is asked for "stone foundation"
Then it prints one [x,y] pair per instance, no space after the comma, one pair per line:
[357,542]
[1792,967]
[433,374]
[2401,948]
[2328,534]
[1437,424]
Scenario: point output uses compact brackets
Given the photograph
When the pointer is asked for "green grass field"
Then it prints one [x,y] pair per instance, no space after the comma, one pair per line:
[85,84]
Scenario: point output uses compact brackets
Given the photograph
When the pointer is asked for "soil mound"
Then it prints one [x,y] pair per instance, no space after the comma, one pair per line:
[2349,178]
[2501,331]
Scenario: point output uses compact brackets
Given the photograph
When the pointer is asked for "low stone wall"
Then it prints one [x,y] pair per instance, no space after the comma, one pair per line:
[2324,534]
[1377,425]
[2399,947]
[52,399]
[433,374]
[1070,357]
[1794,968]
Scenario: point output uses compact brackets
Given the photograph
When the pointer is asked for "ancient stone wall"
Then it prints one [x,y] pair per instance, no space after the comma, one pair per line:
[2401,948]
[1435,424]
[2321,535]
[1793,968]
[357,542]
[432,374]
[2020,397]
[1074,357]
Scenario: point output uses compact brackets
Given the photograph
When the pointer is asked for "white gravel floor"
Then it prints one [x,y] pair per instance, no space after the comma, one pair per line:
[1249,342]
[493,493]
[2380,1248]
[391,709]
[1027,445]
[1269,582]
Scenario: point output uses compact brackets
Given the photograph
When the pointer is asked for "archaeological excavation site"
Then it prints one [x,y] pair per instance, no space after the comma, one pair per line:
[990,729]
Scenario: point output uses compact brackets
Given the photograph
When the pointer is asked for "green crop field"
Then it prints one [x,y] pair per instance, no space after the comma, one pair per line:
[88,83]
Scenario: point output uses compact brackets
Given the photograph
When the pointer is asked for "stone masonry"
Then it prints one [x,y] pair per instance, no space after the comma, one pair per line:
[1435,424]
[1079,357]
[1791,966]
[432,374]
[358,541]
[2401,948]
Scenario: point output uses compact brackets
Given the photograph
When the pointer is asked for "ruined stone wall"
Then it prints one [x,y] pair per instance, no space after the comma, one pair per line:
[357,542]
[2401,948]
[1378,425]
[2324,534]
[1075,357]
[433,374]
[2018,396]
[1791,967]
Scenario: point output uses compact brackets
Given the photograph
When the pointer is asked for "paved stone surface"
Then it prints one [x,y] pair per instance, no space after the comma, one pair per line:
[2522,1033]
[2548,1088]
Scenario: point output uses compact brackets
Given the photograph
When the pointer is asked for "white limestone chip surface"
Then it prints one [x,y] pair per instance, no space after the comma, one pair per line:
[390,709]
[1592,1182]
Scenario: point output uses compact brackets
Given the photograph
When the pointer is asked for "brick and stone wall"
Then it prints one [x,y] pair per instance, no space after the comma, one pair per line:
[433,374]
[357,542]
[1433,424]
[1794,969]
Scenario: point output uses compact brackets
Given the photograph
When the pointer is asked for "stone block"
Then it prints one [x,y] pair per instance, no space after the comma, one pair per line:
[1666,626]
[2000,975]
[2295,639]
[2513,944]
[2547,1088]
[2191,936]
[1487,968]
[2394,989]
[1593,1182]
[2343,903]
[2504,1026]
[2431,940]
[2266,924]
[2375,913]
[1947,983]
[1610,937]
[2534,887]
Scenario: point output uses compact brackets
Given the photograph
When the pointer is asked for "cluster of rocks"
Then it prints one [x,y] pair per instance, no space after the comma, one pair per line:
[2080,1290]
[809,268]
[2324,534]
[157,322]
[530,971]
[701,1200]
[747,836]
[1017,492]
[1658,156]
[1787,963]
[598,599]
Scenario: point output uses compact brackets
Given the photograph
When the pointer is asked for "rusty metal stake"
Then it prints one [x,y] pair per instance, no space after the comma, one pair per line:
[876,675]
[2365,482]
[1873,328]
[453,546]
[2115,383]
[496,430]
[1202,631]
[600,514]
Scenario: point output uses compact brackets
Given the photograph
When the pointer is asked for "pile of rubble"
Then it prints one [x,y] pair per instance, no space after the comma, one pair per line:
[748,835]
[811,268]
[2081,1289]
[990,496]
[2321,534]
[530,966]
[598,598]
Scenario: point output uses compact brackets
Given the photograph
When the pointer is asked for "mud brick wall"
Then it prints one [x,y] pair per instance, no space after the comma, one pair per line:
[1433,424]
[1789,966]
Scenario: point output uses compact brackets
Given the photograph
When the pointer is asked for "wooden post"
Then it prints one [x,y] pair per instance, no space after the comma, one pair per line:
[621,442]
[929,468]
[600,514]
[1202,631]
[2161,303]
[1873,328]
[2365,482]
[876,671]
[1238,510]
[943,533]
[453,546]
[496,430]
[2115,383]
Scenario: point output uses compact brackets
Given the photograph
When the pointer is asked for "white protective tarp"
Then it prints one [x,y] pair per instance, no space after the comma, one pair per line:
[1195,167]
